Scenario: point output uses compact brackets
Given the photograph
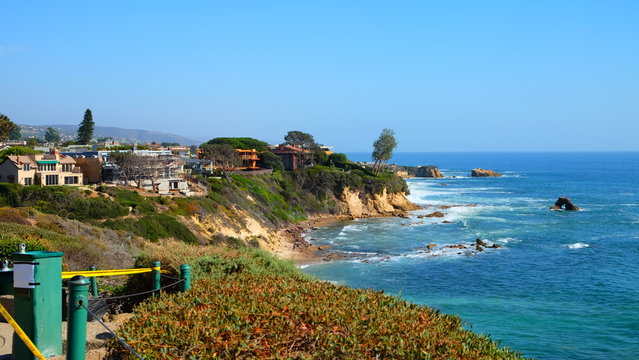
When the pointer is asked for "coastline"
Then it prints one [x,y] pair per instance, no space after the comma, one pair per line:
[295,247]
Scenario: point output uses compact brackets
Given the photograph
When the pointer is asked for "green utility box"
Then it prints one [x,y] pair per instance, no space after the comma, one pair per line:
[37,283]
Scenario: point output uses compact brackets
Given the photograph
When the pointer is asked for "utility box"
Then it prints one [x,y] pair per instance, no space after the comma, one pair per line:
[37,283]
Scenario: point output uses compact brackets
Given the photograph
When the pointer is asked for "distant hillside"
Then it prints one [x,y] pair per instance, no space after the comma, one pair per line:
[68,132]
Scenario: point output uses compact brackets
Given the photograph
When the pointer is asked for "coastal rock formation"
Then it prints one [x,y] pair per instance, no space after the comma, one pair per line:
[429,171]
[384,204]
[565,203]
[435,214]
[484,173]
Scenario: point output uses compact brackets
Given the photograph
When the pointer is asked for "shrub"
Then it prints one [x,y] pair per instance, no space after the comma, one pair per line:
[154,227]
[276,317]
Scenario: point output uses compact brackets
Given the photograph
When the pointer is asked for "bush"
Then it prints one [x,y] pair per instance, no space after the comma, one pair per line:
[10,244]
[276,317]
[154,227]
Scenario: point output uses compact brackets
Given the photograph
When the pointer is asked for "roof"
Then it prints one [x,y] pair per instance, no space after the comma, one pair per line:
[289,150]
[21,159]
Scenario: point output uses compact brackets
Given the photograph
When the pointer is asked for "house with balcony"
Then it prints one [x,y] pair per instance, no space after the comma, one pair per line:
[49,169]
[292,157]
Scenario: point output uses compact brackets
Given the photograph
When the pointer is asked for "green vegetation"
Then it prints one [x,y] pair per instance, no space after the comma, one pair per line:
[244,143]
[268,160]
[383,149]
[154,227]
[69,203]
[300,139]
[6,127]
[85,130]
[52,135]
[243,307]
[17,150]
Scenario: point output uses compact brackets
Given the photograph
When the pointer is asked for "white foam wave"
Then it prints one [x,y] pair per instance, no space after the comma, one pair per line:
[578,245]
[507,240]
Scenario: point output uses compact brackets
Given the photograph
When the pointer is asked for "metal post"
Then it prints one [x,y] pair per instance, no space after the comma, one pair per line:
[185,276]
[156,277]
[94,282]
[77,323]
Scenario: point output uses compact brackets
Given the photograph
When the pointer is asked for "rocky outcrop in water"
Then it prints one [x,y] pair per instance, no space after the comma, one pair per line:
[435,214]
[429,171]
[484,173]
[564,203]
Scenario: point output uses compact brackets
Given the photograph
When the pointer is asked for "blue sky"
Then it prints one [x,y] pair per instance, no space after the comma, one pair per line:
[445,75]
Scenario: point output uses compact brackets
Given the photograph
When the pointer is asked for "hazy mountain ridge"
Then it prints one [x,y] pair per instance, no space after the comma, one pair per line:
[68,132]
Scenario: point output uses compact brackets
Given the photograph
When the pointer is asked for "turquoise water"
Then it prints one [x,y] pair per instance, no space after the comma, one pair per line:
[563,285]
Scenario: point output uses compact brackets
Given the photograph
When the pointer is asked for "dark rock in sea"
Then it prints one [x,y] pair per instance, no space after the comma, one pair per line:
[435,214]
[331,257]
[480,242]
[431,246]
[479,248]
[495,246]
[447,222]
[484,173]
[429,171]
[460,246]
[565,203]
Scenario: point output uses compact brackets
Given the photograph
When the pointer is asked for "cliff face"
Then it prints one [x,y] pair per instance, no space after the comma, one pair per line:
[358,205]
[252,229]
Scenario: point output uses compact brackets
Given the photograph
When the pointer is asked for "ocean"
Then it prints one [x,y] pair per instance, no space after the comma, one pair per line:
[561,285]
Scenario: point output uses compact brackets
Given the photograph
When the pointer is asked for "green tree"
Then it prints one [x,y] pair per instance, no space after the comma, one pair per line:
[301,139]
[337,158]
[52,135]
[15,133]
[244,143]
[383,149]
[17,150]
[224,157]
[6,126]
[33,141]
[85,131]
[268,160]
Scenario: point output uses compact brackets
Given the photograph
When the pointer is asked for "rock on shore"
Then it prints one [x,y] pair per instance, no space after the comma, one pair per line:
[429,171]
[484,173]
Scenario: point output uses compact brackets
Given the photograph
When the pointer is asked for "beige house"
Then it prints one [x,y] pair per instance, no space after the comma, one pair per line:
[41,169]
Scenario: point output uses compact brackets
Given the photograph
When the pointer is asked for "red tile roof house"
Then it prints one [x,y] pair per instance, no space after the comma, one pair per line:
[41,169]
[293,157]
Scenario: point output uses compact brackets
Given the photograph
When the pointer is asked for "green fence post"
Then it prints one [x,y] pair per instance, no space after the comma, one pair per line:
[185,276]
[94,282]
[77,319]
[156,277]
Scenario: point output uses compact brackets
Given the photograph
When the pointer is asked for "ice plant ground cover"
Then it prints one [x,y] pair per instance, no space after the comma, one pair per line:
[244,315]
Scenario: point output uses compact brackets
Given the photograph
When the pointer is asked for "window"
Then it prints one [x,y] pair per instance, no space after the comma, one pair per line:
[67,167]
[28,181]
[26,167]
[46,167]
[51,179]
[69,180]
